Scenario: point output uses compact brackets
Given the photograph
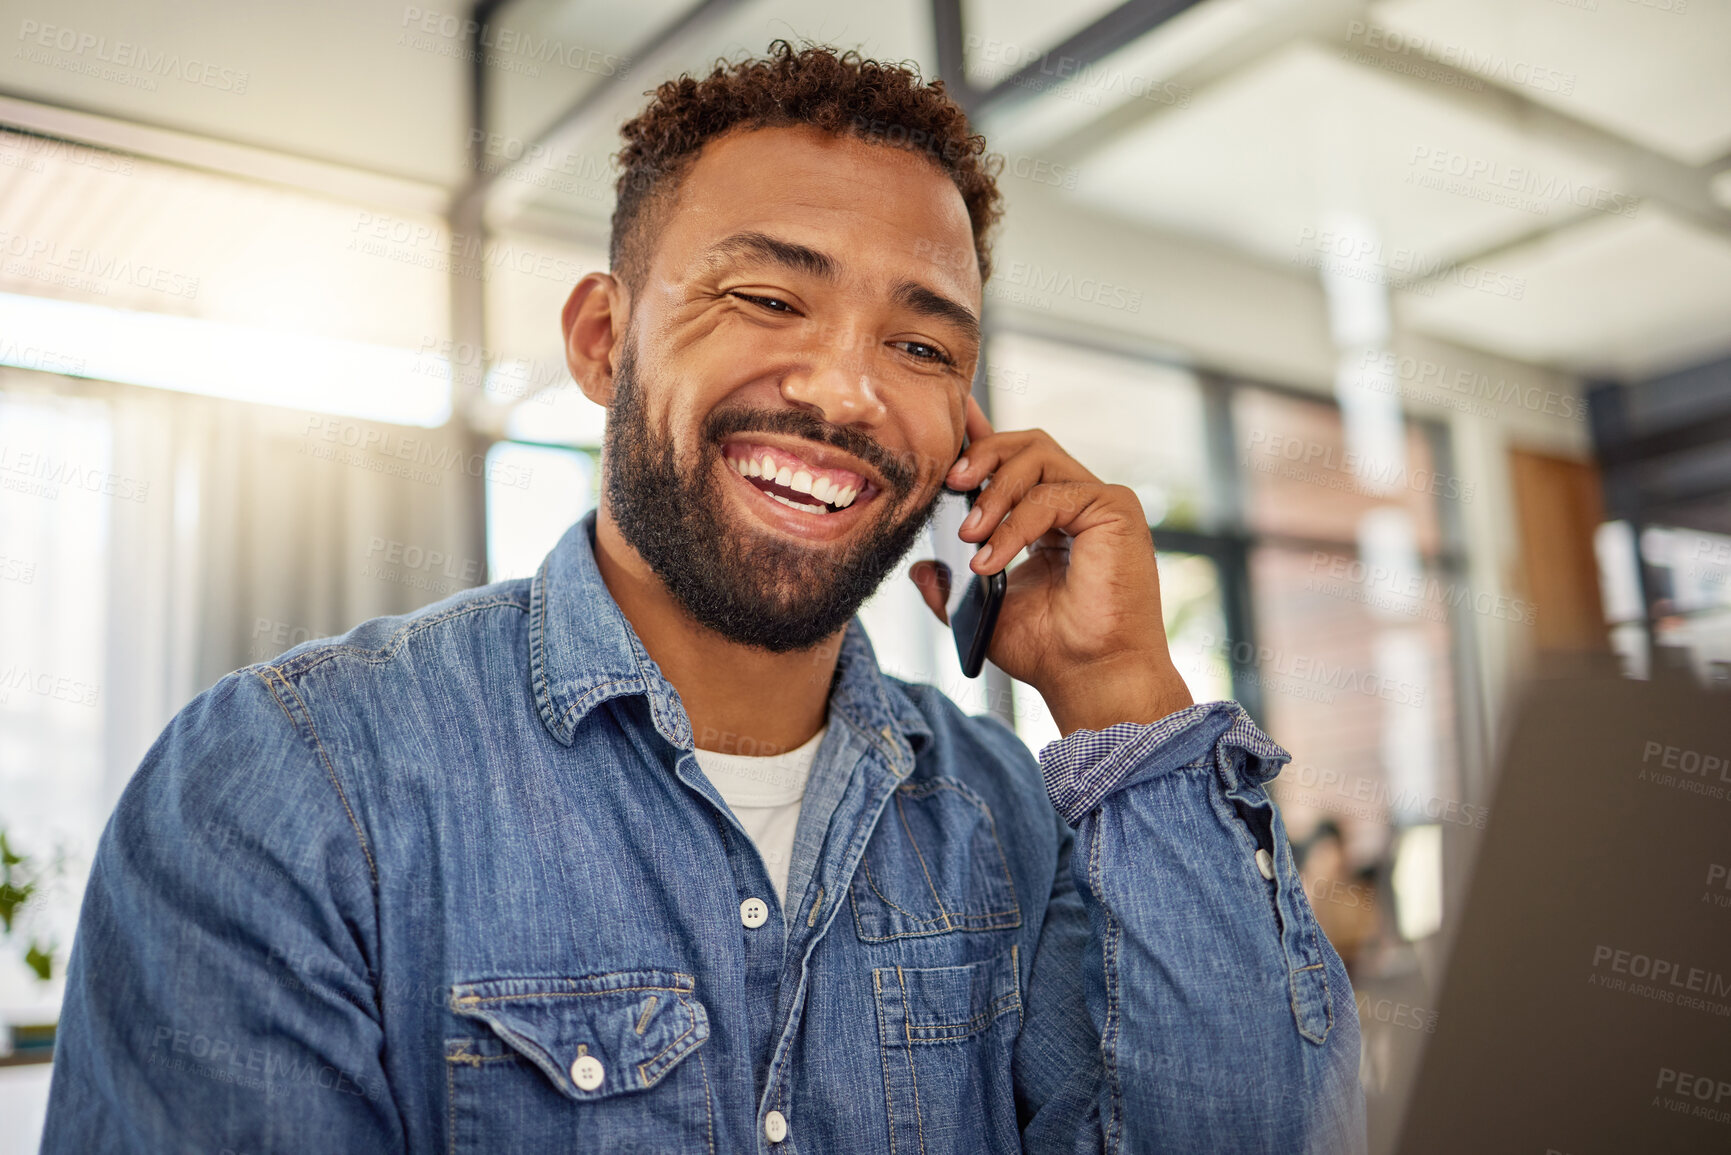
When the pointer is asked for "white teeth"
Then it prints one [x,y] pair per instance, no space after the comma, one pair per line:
[845,497]
[784,476]
[799,505]
[766,466]
[821,488]
[802,482]
[749,468]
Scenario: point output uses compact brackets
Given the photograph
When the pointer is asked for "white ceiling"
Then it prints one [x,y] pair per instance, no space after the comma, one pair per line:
[1654,71]
[1263,159]
[1619,297]
[1279,128]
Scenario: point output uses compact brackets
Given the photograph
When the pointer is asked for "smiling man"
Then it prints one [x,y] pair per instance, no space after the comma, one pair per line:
[497,876]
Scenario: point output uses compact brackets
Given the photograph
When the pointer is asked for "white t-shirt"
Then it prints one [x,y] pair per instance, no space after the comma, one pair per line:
[764,793]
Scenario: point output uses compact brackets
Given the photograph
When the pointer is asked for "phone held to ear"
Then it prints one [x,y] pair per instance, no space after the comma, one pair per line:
[973,601]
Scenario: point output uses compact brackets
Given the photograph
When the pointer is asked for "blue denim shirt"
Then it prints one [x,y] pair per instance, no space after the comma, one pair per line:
[454,882]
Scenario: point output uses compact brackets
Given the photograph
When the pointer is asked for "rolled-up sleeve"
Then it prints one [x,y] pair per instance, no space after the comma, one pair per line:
[1189,989]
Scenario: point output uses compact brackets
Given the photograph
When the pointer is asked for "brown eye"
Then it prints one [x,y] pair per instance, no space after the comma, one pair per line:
[773,304]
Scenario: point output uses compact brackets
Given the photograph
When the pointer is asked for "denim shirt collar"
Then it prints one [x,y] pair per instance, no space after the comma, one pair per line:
[583,651]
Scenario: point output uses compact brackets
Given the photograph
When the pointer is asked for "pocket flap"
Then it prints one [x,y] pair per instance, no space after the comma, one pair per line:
[945,1004]
[637,1025]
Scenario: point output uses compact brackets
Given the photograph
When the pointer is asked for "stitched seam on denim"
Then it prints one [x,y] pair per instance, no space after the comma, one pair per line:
[973,1026]
[651,1062]
[451,1109]
[593,691]
[893,935]
[913,1076]
[474,1000]
[708,1107]
[308,662]
[538,644]
[817,905]
[902,817]
[1109,952]
[330,770]
[643,1022]
[866,869]
[884,1059]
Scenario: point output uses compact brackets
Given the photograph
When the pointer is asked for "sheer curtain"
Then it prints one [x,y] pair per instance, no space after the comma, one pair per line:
[151,542]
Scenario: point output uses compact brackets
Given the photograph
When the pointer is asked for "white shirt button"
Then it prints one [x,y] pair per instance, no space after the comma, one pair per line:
[587,1072]
[1265,863]
[753,912]
[775,1126]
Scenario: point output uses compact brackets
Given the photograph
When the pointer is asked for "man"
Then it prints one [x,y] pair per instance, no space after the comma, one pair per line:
[495,877]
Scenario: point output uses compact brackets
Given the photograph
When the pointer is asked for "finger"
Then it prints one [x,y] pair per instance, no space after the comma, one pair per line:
[1070,506]
[985,454]
[933,578]
[1012,480]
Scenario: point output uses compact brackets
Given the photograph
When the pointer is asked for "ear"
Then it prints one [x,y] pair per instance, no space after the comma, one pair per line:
[594,323]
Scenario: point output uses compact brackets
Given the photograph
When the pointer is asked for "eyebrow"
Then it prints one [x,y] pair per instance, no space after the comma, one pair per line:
[929,303]
[788,254]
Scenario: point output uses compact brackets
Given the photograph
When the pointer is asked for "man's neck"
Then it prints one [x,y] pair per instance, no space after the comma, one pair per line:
[738,697]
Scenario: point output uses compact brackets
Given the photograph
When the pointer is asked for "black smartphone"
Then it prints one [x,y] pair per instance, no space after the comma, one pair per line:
[973,601]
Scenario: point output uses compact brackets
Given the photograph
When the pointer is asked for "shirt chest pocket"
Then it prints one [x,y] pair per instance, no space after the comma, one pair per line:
[947,1036]
[933,866]
[608,1062]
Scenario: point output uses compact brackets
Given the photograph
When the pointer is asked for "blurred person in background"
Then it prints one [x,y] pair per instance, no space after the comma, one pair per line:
[495,875]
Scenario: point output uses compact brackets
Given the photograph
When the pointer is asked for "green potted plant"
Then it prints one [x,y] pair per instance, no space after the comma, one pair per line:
[25,882]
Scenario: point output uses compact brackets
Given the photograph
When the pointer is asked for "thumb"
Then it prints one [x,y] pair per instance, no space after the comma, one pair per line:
[933,578]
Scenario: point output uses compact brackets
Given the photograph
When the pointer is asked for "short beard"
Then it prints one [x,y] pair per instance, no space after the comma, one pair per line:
[746,584]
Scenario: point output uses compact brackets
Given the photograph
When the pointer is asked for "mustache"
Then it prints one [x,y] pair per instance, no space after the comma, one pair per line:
[898,471]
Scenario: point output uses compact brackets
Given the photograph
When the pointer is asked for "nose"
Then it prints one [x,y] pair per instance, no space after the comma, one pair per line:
[835,382]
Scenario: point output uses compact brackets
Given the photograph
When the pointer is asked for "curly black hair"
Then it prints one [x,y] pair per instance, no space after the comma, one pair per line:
[843,94]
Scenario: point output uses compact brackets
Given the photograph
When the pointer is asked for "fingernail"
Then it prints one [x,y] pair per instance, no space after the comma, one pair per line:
[984,555]
[972,519]
[960,467]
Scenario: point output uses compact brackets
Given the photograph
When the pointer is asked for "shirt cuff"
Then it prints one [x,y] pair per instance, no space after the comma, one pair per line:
[1084,767]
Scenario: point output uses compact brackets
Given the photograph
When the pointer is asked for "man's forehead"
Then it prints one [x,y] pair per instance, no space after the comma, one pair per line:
[828,192]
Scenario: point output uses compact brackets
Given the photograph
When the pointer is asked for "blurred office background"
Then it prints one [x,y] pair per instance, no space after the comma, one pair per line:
[1409,321]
